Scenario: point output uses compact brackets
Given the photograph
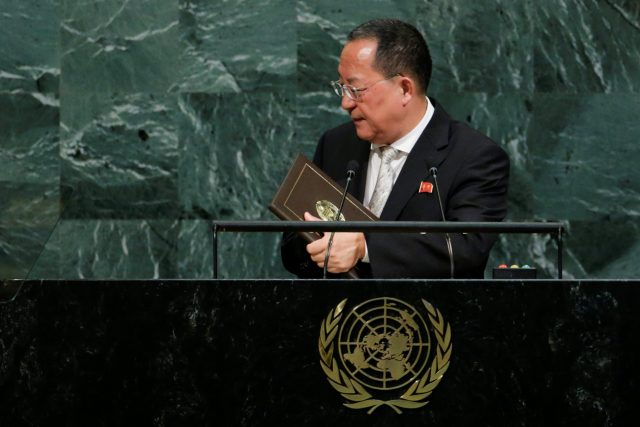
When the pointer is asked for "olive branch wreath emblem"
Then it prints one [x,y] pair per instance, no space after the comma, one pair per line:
[356,394]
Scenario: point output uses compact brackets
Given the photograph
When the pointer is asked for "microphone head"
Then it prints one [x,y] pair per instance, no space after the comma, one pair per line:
[433,171]
[353,166]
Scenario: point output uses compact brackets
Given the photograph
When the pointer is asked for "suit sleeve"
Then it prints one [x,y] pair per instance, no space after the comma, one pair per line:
[475,191]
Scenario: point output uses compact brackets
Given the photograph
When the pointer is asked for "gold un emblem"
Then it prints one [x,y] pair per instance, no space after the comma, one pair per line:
[383,353]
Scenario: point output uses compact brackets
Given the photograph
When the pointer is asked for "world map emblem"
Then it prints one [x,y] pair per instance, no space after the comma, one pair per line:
[385,352]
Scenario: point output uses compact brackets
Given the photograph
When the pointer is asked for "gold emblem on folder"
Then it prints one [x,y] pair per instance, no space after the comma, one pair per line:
[327,211]
[384,353]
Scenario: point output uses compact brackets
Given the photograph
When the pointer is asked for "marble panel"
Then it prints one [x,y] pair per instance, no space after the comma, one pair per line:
[119,156]
[587,46]
[46,257]
[505,118]
[316,113]
[112,46]
[625,264]
[250,256]
[28,214]
[322,29]
[234,152]
[116,249]
[29,178]
[480,46]
[581,147]
[29,52]
[595,246]
[129,151]
[195,250]
[29,138]
[236,45]
[240,255]
[580,163]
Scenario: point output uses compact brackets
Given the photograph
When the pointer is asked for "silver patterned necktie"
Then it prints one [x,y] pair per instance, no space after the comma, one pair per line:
[384,182]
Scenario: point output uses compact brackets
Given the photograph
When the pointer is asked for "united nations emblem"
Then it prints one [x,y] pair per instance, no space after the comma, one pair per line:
[384,353]
[327,211]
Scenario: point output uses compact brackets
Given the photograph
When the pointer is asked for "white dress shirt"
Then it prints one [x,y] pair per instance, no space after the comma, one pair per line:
[404,145]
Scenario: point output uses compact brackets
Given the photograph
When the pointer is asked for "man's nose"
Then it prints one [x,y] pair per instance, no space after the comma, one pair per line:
[347,103]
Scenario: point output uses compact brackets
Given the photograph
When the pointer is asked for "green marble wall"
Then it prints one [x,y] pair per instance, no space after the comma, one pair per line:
[126,126]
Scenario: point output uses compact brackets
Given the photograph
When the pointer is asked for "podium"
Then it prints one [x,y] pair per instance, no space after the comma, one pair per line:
[246,353]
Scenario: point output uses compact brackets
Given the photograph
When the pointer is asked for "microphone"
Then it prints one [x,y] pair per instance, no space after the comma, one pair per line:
[352,168]
[434,172]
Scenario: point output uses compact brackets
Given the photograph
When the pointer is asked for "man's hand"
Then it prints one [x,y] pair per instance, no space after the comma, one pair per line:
[346,250]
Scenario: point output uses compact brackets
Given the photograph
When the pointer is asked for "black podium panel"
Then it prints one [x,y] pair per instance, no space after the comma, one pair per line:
[246,353]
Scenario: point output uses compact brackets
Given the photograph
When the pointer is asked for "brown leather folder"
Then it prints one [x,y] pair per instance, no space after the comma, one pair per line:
[306,188]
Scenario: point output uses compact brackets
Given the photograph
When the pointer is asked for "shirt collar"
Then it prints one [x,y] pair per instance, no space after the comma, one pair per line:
[407,142]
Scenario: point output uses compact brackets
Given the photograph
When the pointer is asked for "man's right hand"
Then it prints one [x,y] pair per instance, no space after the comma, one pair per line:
[347,249]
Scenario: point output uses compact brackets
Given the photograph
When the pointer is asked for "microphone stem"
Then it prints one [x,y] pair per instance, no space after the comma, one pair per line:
[446,235]
[330,243]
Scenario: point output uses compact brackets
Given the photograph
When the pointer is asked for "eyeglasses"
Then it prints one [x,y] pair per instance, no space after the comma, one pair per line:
[353,92]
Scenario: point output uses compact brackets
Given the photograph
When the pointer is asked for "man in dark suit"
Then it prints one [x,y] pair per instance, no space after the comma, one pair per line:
[397,134]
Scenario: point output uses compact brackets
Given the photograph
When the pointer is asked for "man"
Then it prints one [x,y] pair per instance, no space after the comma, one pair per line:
[397,134]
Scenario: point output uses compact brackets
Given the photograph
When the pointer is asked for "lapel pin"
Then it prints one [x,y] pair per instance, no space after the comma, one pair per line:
[425,187]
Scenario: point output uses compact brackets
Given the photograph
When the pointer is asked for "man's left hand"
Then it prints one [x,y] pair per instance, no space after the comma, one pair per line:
[346,250]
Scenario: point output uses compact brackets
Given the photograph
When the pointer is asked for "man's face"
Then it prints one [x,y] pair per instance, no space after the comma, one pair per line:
[378,112]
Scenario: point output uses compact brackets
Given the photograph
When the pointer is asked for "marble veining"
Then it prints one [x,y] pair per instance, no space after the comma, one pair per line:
[176,112]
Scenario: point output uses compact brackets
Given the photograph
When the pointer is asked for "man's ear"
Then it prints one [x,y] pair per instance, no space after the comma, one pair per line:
[408,88]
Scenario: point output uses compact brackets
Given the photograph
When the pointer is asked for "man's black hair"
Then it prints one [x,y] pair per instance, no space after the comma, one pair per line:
[401,49]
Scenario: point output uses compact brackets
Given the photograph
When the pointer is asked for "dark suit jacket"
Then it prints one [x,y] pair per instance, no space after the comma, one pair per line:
[473,174]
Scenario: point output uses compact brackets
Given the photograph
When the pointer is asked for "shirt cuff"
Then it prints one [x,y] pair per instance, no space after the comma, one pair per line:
[365,258]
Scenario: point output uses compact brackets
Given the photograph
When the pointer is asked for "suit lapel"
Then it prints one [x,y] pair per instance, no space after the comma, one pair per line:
[360,181]
[430,151]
